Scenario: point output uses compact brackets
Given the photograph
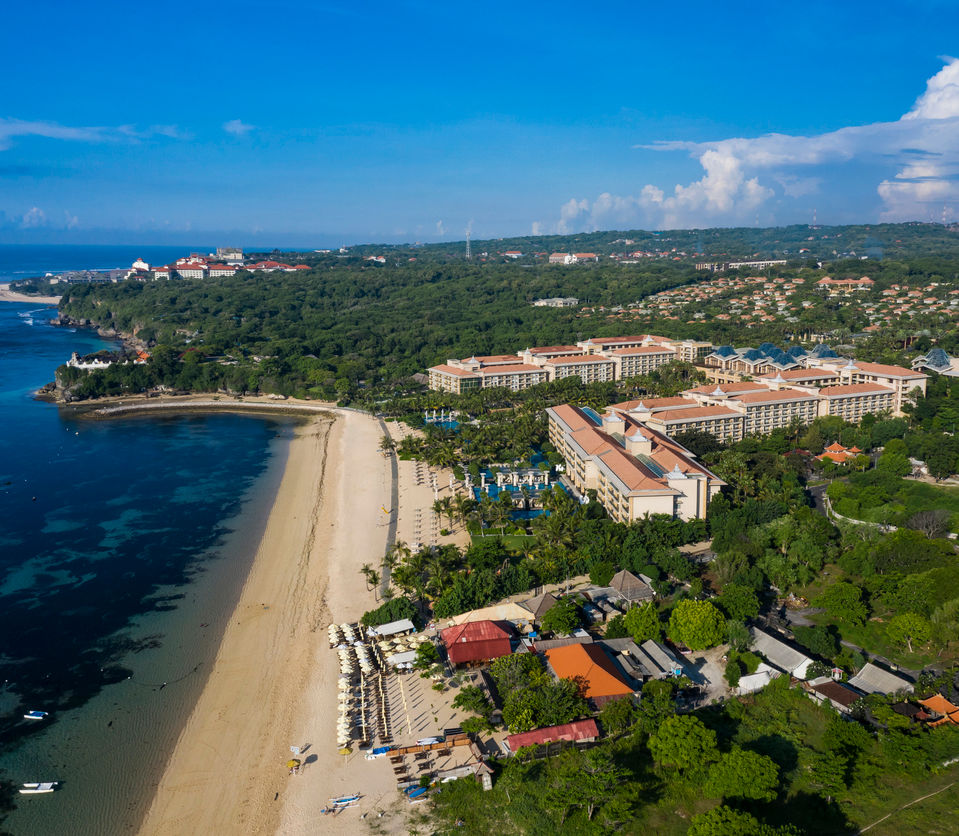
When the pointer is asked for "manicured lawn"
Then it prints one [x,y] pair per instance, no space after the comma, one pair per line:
[906,497]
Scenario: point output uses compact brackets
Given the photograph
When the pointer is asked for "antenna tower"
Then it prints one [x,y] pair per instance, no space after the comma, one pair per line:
[469,255]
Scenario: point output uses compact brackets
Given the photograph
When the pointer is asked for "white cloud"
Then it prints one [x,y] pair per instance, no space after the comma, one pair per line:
[70,221]
[34,218]
[237,127]
[921,149]
[13,128]
[440,229]
[536,228]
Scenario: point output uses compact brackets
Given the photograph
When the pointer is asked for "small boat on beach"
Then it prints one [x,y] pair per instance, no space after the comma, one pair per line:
[345,800]
[36,715]
[37,787]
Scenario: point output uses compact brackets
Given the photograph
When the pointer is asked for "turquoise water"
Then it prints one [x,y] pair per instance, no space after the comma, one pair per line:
[123,547]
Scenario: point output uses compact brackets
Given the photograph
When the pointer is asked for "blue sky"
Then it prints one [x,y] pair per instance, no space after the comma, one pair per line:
[312,124]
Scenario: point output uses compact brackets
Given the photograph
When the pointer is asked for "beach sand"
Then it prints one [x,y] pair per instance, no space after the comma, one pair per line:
[7,295]
[273,684]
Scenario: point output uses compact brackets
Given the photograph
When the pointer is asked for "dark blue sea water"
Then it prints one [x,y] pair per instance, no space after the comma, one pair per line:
[116,574]
[20,261]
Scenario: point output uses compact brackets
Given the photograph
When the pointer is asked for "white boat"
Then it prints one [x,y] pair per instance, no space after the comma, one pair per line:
[36,787]
[36,715]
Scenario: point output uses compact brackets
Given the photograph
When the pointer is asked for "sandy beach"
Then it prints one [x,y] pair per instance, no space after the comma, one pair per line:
[7,295]
[273,683]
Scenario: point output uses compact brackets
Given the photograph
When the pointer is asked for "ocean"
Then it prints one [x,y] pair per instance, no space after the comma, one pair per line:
[22,261]
[124,545]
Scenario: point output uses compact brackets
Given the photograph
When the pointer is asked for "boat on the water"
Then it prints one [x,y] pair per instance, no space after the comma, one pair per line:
[37,787]
[36,715]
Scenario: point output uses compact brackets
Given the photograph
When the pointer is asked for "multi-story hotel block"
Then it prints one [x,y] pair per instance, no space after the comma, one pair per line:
[852,401]
[760,389]
[601,359]
[634,469]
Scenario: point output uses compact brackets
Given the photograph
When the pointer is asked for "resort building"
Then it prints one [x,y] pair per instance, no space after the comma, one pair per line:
[556,301]
[591,665]
[938,361]
[640,360]
[835,286]
[478,641]
[723,423]
[538,356]
[589,369]
[448,378]
[850,402]
[634,469]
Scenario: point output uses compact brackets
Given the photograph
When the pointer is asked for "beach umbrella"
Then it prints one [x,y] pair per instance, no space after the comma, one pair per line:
[292,763]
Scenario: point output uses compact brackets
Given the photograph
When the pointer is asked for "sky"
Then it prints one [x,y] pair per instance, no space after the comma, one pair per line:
[323,123]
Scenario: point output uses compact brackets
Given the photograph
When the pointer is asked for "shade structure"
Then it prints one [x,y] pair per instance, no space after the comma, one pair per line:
[292,763]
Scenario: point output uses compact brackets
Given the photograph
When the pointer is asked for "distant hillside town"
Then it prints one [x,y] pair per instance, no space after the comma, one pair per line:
[226,261]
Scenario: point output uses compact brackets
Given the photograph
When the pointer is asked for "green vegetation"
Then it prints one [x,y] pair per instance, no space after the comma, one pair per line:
[697,624]
[531,697]
[775,763]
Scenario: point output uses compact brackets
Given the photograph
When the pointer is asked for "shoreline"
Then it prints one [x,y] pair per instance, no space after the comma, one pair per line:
[273,684]
[7,295]
[226,773]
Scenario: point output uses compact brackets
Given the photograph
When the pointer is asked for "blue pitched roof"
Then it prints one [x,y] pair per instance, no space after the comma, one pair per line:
[725,351]
[796,351]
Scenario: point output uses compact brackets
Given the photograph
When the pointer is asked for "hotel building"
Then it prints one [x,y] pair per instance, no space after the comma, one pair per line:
[634,469]
[600,359]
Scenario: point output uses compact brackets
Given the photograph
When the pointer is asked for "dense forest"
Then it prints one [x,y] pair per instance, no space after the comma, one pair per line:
[350,329]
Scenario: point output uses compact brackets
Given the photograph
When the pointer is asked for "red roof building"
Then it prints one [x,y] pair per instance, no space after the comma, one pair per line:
[478,641]
[580,730]
[839,454]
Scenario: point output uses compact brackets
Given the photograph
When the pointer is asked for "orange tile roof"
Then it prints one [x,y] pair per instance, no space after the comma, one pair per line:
[656,403]
[549,349]
[939,704]
[696,412]
[891,371]
[514,369]
[854,389]
[728,388]
[579,358]
[444,369]
[643,349]
[799,374]
[492,359]
[774,395]
[590,663]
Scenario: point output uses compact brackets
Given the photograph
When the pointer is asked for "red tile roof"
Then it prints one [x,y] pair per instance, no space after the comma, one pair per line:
[580,730]
[478,641]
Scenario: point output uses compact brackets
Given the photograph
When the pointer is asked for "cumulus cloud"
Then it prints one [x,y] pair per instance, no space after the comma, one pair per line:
[70,221]
[440,229]
[237,127]
[742,176]
[536,228]
[33,218]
